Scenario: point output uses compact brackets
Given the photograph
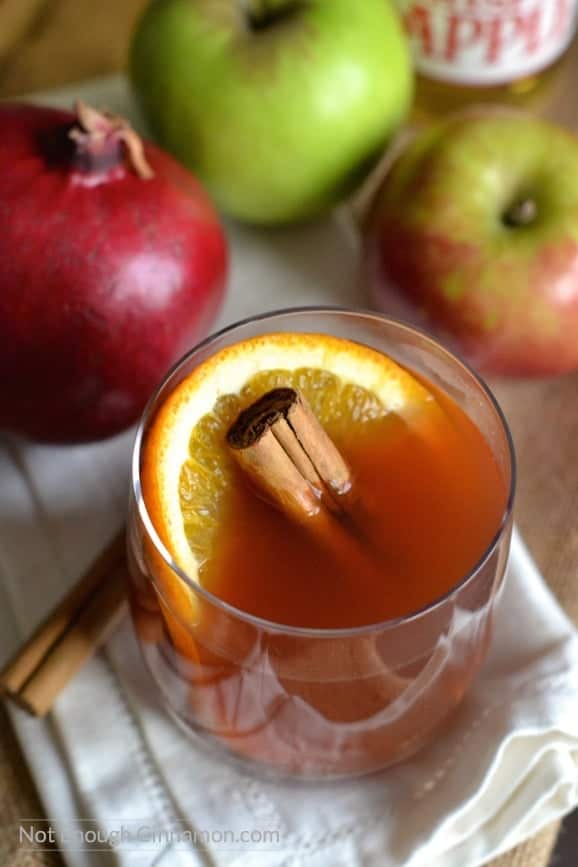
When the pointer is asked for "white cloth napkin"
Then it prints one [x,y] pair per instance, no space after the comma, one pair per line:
[108,755]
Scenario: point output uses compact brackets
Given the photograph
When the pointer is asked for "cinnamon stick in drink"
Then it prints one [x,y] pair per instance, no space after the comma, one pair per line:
[292,461]
[288,455]
[255,440]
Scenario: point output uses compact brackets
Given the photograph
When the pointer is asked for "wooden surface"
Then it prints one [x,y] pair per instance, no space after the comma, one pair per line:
[45,43]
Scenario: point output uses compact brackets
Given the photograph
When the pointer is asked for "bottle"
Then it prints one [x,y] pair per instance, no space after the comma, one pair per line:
[485,50]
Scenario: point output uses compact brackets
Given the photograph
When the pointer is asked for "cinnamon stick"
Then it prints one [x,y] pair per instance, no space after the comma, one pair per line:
[70,634]
[292,462]
[284,449]
[290,458]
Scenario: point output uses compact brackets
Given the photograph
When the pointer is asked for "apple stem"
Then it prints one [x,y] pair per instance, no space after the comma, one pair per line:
[521,213]
[260,13]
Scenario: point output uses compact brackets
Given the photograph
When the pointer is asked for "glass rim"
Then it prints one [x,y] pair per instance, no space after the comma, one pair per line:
[304,631]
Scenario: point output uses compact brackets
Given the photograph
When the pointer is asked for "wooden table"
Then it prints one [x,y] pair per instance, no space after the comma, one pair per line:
[45,43]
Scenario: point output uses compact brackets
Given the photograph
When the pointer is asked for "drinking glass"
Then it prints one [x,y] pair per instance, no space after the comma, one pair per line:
[319,703]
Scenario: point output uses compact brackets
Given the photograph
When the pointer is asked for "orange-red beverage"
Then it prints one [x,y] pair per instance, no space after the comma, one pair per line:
[284,650]
[431,515]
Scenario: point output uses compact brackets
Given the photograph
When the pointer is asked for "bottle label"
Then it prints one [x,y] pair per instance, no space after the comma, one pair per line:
[487,42]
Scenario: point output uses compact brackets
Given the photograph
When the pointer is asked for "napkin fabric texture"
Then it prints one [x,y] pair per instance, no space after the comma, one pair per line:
[110,759]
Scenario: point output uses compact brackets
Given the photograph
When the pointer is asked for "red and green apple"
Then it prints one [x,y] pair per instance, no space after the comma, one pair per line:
[474,234]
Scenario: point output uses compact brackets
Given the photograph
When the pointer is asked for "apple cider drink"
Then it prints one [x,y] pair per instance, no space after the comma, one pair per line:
[319,527]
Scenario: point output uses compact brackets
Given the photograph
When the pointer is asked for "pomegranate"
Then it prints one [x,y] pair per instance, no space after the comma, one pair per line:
[112,263]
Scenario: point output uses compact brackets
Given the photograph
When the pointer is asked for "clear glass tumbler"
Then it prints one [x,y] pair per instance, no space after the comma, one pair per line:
[319,702]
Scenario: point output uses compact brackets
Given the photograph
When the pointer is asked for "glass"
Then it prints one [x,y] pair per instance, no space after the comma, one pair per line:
[317,702]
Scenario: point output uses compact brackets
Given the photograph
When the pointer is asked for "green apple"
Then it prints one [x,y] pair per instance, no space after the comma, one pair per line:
[281,106]
[474,234]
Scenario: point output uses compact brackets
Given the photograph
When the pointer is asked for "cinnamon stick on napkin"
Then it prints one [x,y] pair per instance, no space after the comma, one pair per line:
[70,634]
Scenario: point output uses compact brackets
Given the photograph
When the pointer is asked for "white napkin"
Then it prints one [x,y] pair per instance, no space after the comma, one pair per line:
[108,755]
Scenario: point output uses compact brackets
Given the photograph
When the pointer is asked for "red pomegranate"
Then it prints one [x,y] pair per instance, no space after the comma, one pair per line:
[112,264]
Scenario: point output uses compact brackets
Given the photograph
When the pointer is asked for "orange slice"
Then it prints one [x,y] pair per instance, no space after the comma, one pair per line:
[186,468]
